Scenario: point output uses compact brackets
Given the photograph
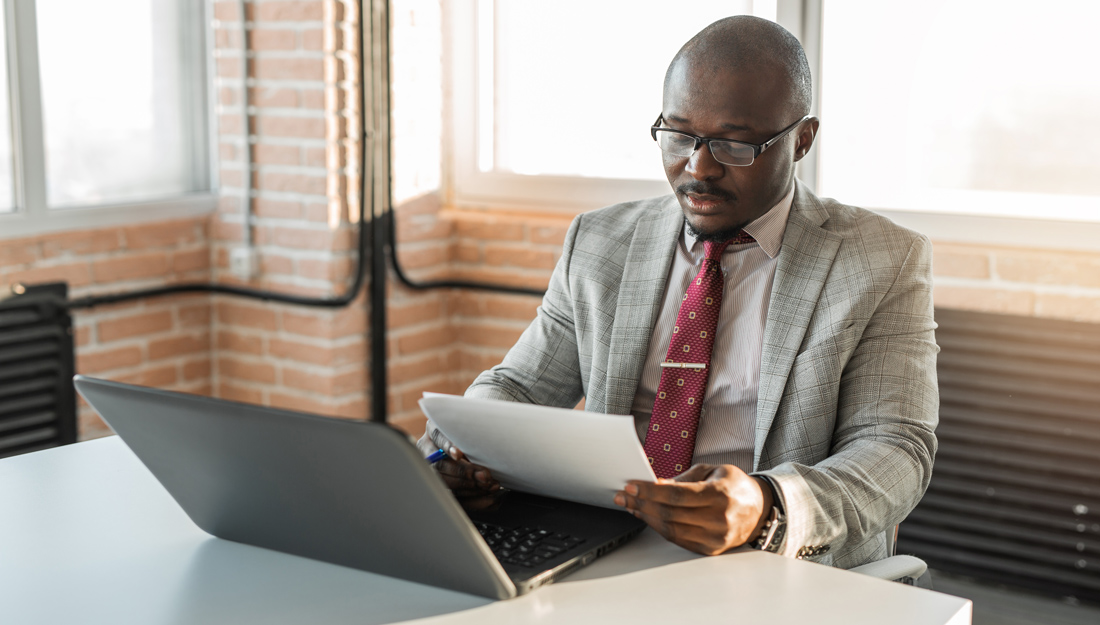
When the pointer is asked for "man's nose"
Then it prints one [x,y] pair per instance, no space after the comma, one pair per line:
[702,166]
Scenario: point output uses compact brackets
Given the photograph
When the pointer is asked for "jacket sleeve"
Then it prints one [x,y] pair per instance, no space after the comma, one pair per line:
[883,443]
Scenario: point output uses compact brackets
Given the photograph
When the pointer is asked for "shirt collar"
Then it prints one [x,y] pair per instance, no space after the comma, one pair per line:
[767,229]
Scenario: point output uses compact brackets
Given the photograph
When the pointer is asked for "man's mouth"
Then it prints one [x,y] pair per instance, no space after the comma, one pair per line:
[703,199]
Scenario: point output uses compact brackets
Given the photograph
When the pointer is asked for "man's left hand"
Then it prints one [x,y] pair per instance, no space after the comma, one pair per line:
[707,509]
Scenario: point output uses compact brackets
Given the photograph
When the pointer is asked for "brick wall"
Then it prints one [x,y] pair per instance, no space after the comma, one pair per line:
[163,342]
[303,98]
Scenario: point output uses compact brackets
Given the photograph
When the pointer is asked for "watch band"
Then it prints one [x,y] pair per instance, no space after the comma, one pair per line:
[773,532]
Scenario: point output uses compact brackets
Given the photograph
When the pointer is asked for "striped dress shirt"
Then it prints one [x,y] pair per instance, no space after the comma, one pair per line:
[728,420]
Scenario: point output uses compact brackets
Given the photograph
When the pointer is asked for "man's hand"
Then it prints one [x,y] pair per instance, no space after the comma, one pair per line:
[472,484]
[708,509]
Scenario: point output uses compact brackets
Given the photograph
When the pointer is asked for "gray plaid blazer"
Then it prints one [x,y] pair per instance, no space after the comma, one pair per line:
[848,398]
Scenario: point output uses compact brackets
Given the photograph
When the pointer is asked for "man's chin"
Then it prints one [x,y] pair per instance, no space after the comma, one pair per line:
[719,233]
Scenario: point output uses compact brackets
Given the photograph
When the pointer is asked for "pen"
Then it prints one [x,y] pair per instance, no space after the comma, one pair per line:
[436,456]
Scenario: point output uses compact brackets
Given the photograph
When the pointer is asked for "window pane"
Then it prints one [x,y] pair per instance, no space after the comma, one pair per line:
[594,68]
[964,105]
[7,196]
[113,100]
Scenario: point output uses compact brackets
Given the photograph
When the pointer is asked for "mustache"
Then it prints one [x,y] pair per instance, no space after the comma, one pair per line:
[698,187]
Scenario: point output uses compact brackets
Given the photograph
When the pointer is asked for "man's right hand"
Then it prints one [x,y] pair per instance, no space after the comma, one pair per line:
[473,485]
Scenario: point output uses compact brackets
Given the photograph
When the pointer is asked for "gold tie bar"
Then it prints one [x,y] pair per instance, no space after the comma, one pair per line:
[685,365]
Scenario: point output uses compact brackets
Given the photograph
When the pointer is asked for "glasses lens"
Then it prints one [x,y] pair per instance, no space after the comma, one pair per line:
[675,143]
[732,153]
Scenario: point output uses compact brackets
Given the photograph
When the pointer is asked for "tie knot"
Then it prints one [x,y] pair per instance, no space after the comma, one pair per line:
[713,249]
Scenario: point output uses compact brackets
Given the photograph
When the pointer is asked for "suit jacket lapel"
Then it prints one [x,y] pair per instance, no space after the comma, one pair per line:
[641,292]
[804,261]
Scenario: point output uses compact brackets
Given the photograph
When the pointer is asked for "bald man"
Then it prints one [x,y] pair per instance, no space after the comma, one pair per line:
[803,421]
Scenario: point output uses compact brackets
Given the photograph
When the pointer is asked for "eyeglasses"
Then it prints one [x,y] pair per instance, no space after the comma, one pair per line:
[725,151]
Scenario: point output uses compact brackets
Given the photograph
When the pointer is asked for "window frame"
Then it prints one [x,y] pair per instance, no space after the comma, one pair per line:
[32,214]
[466,187]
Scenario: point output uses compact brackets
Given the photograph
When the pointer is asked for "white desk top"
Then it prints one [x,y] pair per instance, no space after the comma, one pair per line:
[87,535]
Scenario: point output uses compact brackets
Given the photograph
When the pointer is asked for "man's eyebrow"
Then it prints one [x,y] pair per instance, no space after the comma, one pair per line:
[730,127]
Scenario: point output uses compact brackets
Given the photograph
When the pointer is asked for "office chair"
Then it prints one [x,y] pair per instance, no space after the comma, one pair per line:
[909,570]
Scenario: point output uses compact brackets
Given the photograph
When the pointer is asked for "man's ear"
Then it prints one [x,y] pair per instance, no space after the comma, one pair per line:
[805,138]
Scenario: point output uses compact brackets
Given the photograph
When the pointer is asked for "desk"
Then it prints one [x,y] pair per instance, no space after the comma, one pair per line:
[87,535]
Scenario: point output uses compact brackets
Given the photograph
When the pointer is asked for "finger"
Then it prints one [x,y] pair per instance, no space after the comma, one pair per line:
[686,494]
[437,437]
[687,536]
[706,518]
[697,473]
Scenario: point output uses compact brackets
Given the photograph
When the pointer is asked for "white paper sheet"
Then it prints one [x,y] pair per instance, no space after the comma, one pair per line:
[569,454]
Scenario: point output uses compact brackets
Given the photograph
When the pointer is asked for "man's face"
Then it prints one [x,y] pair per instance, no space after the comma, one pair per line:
[743,105]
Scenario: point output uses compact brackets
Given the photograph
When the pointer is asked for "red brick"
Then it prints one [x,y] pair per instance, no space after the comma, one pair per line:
[347,322]
[245,370]
[194,315]
[227,10]
[313,99]
[277,209]
[300,11]
[276,264]
[424,255]
[400,316]
[76,243]
[229,67]
[133,325]
[226,231]
[76,274]
[195,260]
[518,256]
[156,377]
[234,392]
[231,177]
[196,369]
[486,229]
[1072,269]
[131,267]
[958,261]
[82,335]
[297,238]
[313,39]
[506,277]
[487,335]
[18,252]
[521,307]
[317,212]
[424,228]
[301,404]
[288,69]
[241,343]
[1060,306]
[296,127]
[352,409]
[293,183]
[405,370]
[466,252]
[270,39]
[105,360]
[311,381]
[477,361]
[271,97]
[406,399]
[549,234]
[227,38]
[179,346]
[986,300]
[336,269]
[413,425]
[425,339]
[248,315]
[317,157]
[266,154]
[162,234]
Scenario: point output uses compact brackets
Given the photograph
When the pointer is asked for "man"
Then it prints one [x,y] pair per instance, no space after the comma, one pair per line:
[775,349]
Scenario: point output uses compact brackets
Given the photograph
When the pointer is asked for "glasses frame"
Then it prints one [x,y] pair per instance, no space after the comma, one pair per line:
[757,148]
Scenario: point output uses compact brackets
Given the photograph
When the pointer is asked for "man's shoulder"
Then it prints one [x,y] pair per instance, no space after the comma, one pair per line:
[866,230]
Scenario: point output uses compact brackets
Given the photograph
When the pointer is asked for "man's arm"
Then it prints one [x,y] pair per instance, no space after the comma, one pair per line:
[880,461]
[883,442]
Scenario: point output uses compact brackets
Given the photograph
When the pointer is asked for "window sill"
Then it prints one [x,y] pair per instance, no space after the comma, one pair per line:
[17,225]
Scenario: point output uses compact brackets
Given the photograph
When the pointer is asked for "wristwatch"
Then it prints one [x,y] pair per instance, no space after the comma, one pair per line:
[773,532]
[775,528]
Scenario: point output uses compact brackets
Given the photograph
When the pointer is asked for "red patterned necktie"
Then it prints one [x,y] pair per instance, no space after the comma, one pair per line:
[670,442]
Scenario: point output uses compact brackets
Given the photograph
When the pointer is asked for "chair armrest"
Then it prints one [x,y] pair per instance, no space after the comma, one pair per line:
[894,568]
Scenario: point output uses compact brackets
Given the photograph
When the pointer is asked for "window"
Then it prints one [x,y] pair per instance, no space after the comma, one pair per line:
[527,70]
[975,107]
[108,107]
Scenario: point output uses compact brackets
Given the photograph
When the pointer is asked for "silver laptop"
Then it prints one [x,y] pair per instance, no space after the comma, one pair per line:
[352,493]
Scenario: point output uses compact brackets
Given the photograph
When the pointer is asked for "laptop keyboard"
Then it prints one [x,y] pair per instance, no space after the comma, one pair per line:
[525,546]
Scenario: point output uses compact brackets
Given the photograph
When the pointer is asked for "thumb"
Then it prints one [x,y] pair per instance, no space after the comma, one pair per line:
[697,473]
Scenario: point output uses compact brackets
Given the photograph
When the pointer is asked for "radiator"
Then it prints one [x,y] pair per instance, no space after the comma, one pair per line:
[1015,491]
[37,400]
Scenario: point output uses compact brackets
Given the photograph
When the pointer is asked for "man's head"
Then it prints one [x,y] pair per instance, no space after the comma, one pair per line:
[746,79]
